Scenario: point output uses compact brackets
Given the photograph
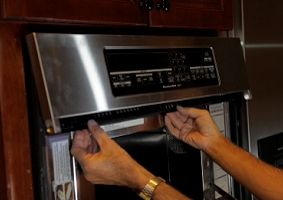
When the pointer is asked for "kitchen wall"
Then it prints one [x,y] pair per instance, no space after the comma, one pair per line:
[259,23]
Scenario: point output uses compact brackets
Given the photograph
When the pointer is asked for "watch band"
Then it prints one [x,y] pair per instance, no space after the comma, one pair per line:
[147,191]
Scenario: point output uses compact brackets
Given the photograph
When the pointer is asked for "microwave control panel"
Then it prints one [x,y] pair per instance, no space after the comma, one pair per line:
[134,71]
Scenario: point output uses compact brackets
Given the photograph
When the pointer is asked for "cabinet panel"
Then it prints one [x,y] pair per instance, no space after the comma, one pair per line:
[211,14]
[15,168]
[116,12]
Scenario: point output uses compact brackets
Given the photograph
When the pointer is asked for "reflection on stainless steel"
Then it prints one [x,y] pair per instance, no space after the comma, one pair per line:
[91,70]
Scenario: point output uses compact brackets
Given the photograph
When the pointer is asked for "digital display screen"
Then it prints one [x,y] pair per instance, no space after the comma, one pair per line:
[137,61]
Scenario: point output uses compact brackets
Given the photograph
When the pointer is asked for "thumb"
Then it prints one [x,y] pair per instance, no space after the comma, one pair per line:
[97,133]
[191,112]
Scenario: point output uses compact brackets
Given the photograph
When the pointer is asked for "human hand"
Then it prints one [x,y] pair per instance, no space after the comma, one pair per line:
[193,126]
[111,165]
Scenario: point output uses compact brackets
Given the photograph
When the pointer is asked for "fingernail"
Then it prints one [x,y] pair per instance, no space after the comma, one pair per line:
[92,122]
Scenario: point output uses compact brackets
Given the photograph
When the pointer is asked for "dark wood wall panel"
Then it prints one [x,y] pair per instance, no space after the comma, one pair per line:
[15,152]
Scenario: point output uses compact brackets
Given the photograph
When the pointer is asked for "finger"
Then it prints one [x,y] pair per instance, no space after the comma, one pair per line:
[97,133]
[176,120]
[80,144]
[172,129]
[182,117]
[191,112]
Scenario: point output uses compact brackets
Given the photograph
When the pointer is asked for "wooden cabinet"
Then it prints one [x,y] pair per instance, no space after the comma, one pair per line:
[109,12]
[208,14]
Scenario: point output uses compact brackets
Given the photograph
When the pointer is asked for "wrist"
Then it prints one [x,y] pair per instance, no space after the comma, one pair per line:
[215,145]
[147,192]
[139,178]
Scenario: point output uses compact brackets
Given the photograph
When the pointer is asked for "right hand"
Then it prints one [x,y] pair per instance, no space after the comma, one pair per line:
[108,165]
[193,126]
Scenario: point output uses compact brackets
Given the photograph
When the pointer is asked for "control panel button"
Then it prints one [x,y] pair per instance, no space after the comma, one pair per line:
[128,84]
[178,78]
[114,78]
[151,80]
[212,75]
[117,85]
[180,62]
[139,81]
[174,62]
[170,79]
[127,76]
[169,73]
[121,77]
[145,80]
[188,77]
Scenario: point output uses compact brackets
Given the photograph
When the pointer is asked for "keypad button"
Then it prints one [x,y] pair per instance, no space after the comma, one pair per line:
[145,80]
[188,77]
[178,78]
[176,70]
[139,80]
[151,80]
[180,62]
[117,85]
[169,73]
[114,78]
[121,77]
[183,78]
[128,84]
[197,72]
[211,70]
[127,76]
[212,75]
[170,79]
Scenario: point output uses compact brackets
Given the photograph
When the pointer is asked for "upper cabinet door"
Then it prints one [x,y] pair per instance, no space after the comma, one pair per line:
[208,14]
[115,12]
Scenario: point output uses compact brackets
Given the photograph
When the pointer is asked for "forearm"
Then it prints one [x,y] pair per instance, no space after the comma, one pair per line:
[263,180]
[162,190]
[165,191]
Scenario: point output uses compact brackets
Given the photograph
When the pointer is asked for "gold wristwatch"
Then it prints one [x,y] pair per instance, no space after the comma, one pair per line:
[147,191]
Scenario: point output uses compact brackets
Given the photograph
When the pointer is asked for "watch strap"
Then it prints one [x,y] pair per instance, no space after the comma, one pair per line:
[147,191]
